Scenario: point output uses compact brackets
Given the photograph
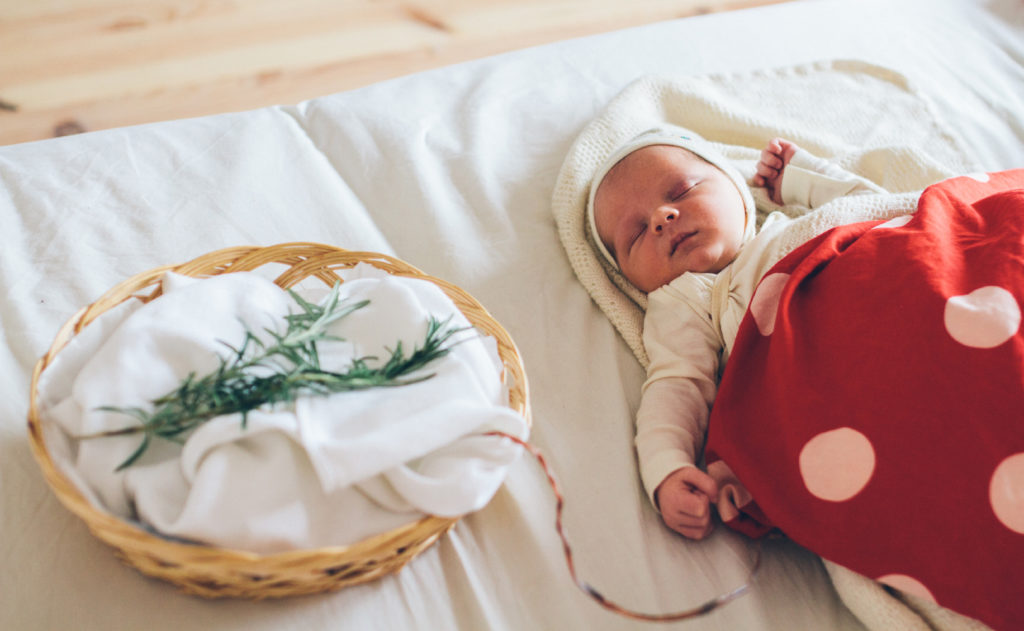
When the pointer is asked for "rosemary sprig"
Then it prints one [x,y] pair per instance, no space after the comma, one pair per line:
[259,373]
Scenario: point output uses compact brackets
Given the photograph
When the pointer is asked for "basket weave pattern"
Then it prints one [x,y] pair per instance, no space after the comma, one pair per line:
[218,572]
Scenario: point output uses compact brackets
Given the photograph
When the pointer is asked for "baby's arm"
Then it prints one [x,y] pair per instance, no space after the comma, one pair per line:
[770,167]
[671,424]
[793,176]
[684,350]
[672,420]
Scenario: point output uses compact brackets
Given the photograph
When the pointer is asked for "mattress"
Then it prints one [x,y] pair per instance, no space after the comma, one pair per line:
[451,170]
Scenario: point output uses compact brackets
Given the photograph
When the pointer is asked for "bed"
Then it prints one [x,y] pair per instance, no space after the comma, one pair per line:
[453,171]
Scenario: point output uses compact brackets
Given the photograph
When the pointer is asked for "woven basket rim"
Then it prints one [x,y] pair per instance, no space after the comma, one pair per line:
[302,260]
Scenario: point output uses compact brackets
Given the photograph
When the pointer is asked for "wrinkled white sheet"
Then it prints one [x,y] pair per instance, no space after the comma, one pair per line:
[451,170]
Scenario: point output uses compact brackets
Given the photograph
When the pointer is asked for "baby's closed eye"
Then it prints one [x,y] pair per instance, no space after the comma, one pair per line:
[636,236]
[680,190]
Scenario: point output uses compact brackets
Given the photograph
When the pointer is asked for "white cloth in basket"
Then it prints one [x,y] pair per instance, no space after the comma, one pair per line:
[327,470]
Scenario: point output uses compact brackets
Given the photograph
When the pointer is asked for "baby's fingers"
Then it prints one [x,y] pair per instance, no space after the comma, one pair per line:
[691,527]
[697,480]
[772,161]
[766,172]
[695,533]
[690,506]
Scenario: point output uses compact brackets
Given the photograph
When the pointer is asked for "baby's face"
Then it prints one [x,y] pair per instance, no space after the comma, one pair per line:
[662,211]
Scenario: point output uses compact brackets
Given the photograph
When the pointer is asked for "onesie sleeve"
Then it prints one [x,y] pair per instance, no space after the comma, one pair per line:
[811,181]
[681,381]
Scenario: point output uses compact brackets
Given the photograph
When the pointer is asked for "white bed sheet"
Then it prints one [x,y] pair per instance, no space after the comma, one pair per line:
[451,170]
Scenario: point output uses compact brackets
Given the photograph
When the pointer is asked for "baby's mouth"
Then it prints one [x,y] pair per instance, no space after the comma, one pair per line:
[678,240]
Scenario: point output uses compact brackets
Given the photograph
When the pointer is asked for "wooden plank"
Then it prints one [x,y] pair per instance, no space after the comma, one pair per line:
[73,65]
[83,42]
[249,60]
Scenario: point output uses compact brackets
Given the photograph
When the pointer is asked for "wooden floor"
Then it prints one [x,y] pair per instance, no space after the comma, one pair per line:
[68,66]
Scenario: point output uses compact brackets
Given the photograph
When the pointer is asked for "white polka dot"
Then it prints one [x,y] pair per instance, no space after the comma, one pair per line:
[984,318]
[1006,492]
[908,585]
[765,304]
[837,464]
[980,177]
[897,222]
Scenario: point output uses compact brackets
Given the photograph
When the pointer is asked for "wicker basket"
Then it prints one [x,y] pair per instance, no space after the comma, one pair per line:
[217,572]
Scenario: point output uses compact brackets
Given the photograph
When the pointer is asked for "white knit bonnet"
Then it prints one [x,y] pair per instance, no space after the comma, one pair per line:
[620,130]
[672,135]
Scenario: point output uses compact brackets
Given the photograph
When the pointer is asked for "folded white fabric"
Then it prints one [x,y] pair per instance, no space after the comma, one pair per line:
[326,470]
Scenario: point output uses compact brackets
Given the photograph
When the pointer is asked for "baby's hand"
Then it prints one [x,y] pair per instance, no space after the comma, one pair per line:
[684,498]
[773,161]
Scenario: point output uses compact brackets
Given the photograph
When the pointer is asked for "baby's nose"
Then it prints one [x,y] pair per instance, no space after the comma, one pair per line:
[662,216]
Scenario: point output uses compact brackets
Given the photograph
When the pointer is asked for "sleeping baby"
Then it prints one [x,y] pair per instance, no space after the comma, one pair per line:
[859,332]
[677,220]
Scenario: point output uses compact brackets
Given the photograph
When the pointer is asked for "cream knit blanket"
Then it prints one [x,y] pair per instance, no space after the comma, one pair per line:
[867,119]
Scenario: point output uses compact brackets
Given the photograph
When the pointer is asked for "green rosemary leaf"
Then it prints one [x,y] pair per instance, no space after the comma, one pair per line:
[306,306]
[130,460]
[259,373]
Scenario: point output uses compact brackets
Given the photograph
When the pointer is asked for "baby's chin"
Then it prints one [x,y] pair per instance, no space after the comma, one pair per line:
[649,284]
[703,261]
[711,260]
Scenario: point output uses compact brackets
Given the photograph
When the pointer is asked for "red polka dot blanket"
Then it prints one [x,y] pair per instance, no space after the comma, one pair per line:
[873,405]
